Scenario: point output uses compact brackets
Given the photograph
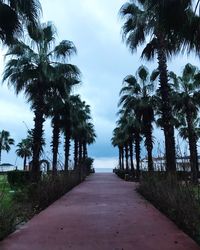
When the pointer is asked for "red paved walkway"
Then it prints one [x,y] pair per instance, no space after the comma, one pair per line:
[103,213]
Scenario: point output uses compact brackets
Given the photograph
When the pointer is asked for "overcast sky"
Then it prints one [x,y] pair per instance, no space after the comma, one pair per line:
[94,27]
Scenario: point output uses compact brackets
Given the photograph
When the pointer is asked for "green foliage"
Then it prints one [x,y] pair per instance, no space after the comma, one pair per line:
[39,69]
[7,219]
[29,199]
[24,148]
[175,198]
[7,213]
[126,175]
[50,188]
[5,194]
[15,15]
[18,178]
[5,142]
[89,165]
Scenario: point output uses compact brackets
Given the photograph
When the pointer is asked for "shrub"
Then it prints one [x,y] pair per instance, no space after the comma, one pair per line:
[86,166]
[175,198]
[126,175]
[7,220]
[89,165]
[30,198]
[18,178]
[50,188]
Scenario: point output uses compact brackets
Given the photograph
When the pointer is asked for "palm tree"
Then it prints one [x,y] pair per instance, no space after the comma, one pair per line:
[85,129]
[125,135]
[14,14]
[88,138]
[82,129]
[24,149]
[69,119]
[58,100]
[56,105]
[186,104]
[117,141]
[5,142]
[136,126]
[66,121]
[32,69]
[157,20]
[135,97]
[183,129]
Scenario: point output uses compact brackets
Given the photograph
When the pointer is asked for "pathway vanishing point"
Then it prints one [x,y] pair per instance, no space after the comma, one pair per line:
[103,213]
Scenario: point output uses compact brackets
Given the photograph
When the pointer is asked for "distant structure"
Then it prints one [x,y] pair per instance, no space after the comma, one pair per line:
[4,167]
[182,163]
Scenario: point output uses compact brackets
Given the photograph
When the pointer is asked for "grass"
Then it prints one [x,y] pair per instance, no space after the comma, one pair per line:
[14,210]
[7,211]
[5,191]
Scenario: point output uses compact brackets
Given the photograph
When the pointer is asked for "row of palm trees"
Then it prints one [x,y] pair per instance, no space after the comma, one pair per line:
[136,116]
[75,126]
[39,68]
[140,107]
[164,28]
[23,148]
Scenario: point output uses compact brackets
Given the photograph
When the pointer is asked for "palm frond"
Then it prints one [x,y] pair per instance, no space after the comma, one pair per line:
[150,49]
[65,49]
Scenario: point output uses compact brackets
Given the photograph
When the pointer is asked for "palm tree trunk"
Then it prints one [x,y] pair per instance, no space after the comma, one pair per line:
[67,148]
[25,162]
[122,150]
[37,139]
[67,136]
[120,158]
[166,107]
[80,151]
[131,155]
[55,141]
[75,153]
[193,148]
[137,153]
[149,144]
[126,156]
[84,150]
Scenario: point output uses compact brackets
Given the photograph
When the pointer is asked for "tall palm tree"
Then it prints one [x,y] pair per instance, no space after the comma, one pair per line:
[80,120]
[66,121]
[14,14]
[125,135]
[157,20]
[24,150]
[122,124]
[117,141]
[130,138]
[136,97]
[5,142]
[88,138]
[136,126]
[186,104]
[85,129]
[183,129]
[70,119]
[58,100]
[31,69]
